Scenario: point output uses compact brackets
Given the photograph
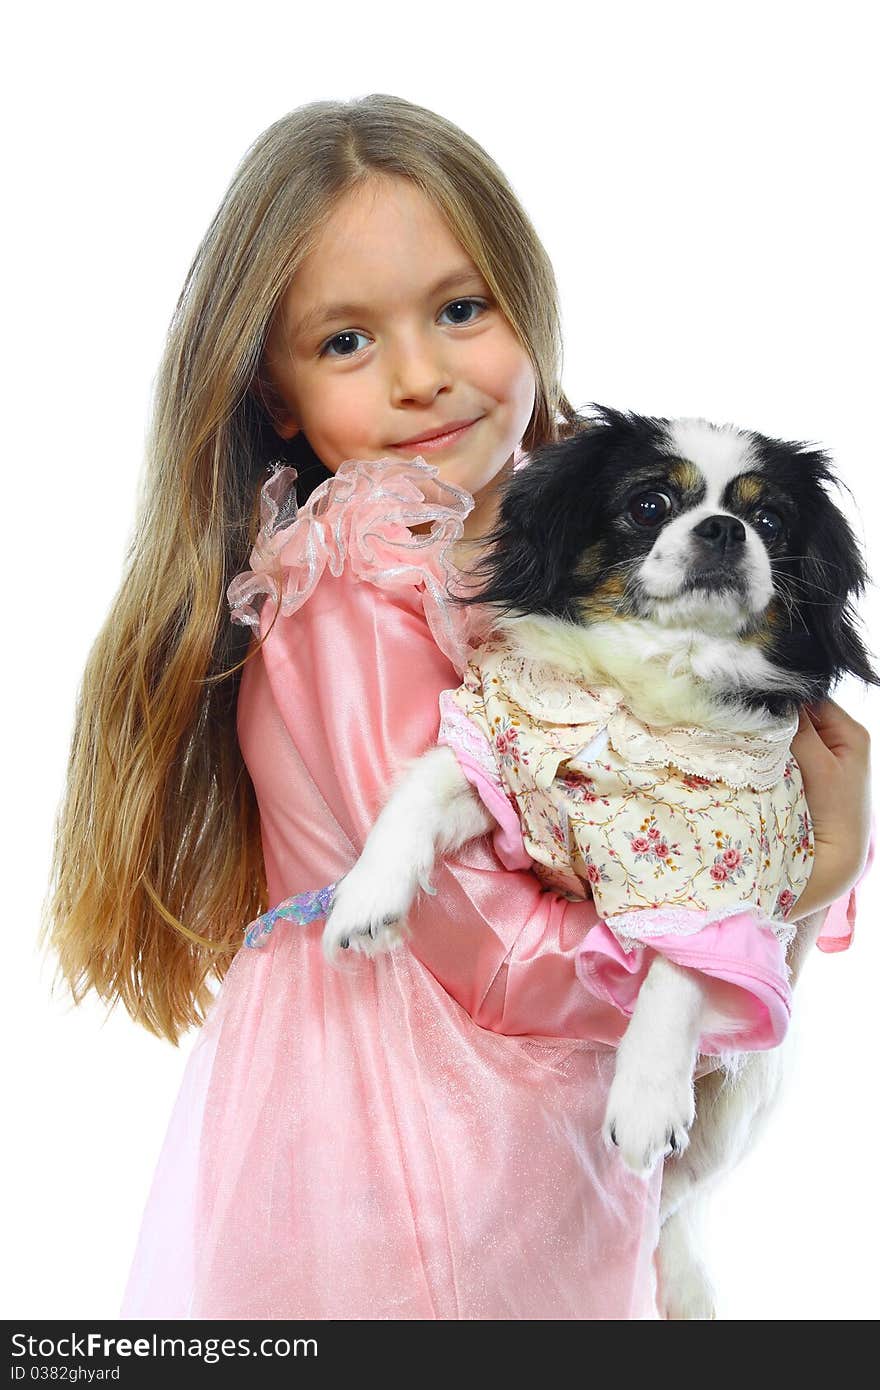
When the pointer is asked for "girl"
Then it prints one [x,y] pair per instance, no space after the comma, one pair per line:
[416,1136]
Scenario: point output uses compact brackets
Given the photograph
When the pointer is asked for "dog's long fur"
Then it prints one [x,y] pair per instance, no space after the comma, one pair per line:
[706,572]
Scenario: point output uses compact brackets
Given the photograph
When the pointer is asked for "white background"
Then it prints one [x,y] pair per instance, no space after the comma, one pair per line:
[703,177]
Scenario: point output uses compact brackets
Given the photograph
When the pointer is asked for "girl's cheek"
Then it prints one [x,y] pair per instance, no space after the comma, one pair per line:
[509,372]
[523,375]
[349,429]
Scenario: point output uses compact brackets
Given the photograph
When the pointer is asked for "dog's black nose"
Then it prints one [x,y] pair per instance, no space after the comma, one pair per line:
[721,533]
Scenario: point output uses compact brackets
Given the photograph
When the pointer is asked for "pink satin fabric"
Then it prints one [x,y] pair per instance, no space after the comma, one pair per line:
[415,1136]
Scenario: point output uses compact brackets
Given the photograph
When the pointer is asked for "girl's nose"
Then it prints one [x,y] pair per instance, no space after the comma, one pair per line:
[418,373]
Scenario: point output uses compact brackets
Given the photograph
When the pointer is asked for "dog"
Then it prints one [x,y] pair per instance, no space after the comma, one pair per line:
[681,586]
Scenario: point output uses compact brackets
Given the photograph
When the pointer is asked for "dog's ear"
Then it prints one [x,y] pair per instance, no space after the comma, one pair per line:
[833,575]
[549,510]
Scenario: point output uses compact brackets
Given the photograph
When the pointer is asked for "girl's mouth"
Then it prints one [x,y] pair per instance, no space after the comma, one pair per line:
[440,441]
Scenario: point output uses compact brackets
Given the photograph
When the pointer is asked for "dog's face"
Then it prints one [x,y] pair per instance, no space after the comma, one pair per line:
[689,525]
[695,525]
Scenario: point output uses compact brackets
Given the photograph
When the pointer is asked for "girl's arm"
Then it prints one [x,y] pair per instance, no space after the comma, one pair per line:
[833,752]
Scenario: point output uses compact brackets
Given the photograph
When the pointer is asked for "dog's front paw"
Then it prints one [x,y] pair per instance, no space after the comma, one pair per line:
[364,918]
[648,1117]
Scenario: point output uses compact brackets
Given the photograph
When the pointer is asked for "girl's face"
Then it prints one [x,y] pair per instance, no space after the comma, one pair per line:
[401,354]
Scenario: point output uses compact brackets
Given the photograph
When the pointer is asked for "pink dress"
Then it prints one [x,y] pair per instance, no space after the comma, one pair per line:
[415,1136]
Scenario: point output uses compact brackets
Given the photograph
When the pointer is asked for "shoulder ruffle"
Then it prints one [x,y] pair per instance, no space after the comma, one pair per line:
[362,516]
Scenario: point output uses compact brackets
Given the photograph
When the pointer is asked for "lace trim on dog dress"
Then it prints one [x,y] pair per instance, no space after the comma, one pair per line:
[551,696]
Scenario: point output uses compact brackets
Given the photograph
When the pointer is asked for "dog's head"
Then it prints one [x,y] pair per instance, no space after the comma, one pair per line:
[690,525]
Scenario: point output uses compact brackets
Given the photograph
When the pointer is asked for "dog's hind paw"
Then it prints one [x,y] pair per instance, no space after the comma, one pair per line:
[685,1291]
[692,1301]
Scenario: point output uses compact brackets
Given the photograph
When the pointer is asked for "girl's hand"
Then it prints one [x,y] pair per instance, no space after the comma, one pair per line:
[833,752]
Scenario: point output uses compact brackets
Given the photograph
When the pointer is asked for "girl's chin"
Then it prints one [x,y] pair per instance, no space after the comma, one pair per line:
[472,480]
[477,480]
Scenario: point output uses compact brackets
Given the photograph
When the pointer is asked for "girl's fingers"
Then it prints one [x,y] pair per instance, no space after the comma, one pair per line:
[806,723]
[808,744]
[837,729]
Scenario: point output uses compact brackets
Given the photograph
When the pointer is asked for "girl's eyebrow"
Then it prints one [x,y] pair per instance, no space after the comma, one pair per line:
[326,313]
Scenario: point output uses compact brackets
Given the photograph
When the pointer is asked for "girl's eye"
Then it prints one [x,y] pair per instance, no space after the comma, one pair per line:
[340,338]
[454,304]
[650,508]
[351,333]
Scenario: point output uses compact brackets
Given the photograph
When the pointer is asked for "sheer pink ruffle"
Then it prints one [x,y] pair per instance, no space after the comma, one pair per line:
[362,515]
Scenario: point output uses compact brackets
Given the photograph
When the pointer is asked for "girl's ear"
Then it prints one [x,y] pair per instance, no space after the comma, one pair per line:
[550,510]
[833,575]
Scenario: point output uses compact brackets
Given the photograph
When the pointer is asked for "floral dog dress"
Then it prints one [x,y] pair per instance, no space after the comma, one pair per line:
[693,843]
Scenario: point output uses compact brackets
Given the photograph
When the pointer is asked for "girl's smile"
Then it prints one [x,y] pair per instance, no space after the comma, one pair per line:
[439,441]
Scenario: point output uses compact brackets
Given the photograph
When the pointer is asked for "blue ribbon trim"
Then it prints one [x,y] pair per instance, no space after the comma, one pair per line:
[301,909]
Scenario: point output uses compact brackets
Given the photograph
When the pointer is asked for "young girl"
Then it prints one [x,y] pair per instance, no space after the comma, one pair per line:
[419,1135]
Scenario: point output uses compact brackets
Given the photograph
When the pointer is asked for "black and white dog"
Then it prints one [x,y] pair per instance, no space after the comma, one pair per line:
[679,546]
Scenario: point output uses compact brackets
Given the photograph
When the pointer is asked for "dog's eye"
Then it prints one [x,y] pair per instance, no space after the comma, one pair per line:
[650,508]
[770,524]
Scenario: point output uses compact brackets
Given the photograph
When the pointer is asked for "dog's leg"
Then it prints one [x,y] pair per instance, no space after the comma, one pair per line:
[731,1109]
[733,1104]
[651,1102]
[684,1291]
[432,809]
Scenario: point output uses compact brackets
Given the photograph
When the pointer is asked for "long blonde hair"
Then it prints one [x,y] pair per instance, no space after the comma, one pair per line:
[157,862]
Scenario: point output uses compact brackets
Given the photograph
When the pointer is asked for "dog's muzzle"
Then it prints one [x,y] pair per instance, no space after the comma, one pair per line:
[718,549]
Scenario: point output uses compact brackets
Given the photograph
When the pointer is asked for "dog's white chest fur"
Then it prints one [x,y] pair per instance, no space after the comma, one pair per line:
[669,676]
